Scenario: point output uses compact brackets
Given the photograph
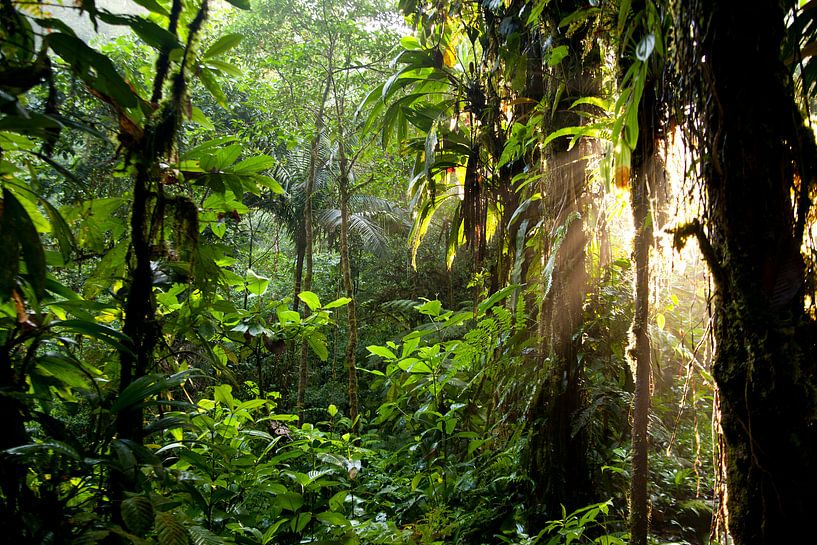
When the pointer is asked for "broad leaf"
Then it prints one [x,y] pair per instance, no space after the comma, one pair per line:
[310,299]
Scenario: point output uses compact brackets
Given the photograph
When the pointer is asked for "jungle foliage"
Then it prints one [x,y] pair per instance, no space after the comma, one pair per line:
[341,272]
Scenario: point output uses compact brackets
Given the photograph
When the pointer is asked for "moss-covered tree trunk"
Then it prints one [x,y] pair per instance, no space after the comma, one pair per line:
[756,159]
[640,351]
[558,447]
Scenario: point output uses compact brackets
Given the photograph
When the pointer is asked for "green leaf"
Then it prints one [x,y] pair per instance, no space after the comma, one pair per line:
[169,530]
[112,337]
[222,158]
[332,410]
[208,79]
[254,165]
[49,447]
[224,394]
[19,235]
[413,365]
[94,68]
[299,522]
[497,296]
[143,388]
[310,299]
[291,501]
[48,22]
[64,369]
[599,102]
[269,183]
[256,285]
[332,518]
[240,4]
[225,43]
[558,55]
[381,351]
[272,530]
[203,536]
[150,33]
[137,513]
[152,6]
[224,67]
[286,316]
[337,303]
[33,124]
[336,501]
[430,308]
[200,118]
[110,267]
[251,404]
[318,346]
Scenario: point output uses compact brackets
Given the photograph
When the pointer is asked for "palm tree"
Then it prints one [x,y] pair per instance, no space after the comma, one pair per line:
[371,219]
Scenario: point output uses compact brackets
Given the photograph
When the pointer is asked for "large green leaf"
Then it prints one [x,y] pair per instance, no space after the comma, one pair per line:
[299,522]
[94,68]
[137,513]
[381,351]
[208,79]
[64,369]
[310,299]
[291,501]
[332,518]
[170,530]
[254,165]
[50,447]
[107,335]
[20,236]
[256,284]
[57,224]
[223,44]
[151,33]
[203,536]
[143,388]
[339,302]
[318,345]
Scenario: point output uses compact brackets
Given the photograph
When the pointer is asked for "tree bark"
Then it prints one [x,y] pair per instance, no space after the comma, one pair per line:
[647,176]
[558,463]
[345,164]
[346,267]
[303,366]
[640,355]
[754,153]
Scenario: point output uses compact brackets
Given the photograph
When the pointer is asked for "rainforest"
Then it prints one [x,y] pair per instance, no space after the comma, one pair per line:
[341,272]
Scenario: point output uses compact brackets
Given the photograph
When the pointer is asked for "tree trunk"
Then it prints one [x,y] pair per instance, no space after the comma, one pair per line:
[345,164]
[303,367]
[300,254]
[351,308]
[753,148]
[640,355]
[647,176]
[558,448]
